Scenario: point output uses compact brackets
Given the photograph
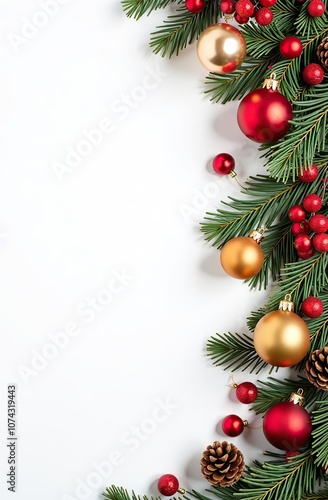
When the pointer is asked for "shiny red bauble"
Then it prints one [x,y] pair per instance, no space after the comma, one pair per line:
[291,47]
[309,173]
[296,213]
[300,228]
[223,164]
[306,255]
[302,243]
[312,307]
[287,426]
[246,392]
[312,203]
[244,8]
[264,16]
[195,6]
[313,74]
[316,8]
[319,223]
[227,6]
[168,485]
[241,20]
[267,3]
[263,115]
[320,242]
[232,425]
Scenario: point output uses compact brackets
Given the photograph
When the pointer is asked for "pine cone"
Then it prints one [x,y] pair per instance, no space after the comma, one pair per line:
[322,53]
[222,464]
[316,368]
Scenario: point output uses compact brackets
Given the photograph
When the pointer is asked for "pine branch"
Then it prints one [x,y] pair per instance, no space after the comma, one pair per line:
[137,8]
[319,434]
[308,26]
[119,493]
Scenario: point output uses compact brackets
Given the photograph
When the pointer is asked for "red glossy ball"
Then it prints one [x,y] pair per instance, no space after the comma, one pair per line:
[267,3]
[195,6]
[232,425]
[306,255]
[287,426]
[296,213]
[309,174]
[291,47]
[264,16]
[312,307]
[316,8]
[320,242]
[228,6]
[302,243]
[312,203]
[244,8]
[300,228]
[319,223]
[263,115]
[246,392]
[313,74]
[223,164]
[241,20]
[168,485]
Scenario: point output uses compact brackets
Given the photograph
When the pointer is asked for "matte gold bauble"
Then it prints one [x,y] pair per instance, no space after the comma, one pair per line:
[242,257]
[282,338]
[221,48]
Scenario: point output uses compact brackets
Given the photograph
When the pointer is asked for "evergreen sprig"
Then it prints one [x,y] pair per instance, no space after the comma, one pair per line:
[138,8]
[319,433]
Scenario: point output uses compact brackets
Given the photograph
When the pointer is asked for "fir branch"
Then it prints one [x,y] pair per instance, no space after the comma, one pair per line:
[262,42]
[119,493]
[137,8]
[319,434]
[308,26]
[285,12]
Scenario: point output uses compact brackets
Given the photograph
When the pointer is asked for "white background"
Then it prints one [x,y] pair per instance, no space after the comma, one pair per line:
[131,205]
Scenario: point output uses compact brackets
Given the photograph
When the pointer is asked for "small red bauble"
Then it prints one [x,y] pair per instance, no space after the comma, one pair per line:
[244,8]
[312,203]
[195,6]
[309,174]
[313,74]
[241,20]
[312,307]
[302,243]
[296,213]
[227,6]
[168,485]
[233,426]
[267,3]
[319,223]
[246,392]
[316,8]
[291,47]
[300,228]
[320,242]
[287,426]
[264,16]
[291,454]
[306,255]
[223,164]
[263,115]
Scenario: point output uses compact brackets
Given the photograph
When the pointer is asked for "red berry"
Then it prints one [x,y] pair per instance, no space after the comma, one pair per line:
[312,307]
[316,8]
[246,392]
[195,6]
[168,485]
[241,20]
[227,6]
[312,203]
[306,255]
[320,242]
[232,425]
[223,164]
[267,3]
[313,74]
[244,8]
[302,243]
[300,228]
[291,47]
[264,16]
[296,213]
[319,223]
[309,174]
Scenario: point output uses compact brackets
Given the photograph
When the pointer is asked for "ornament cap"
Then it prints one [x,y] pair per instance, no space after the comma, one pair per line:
[182,491]
[271,82]
[257,235]
[287,304]
[297,397]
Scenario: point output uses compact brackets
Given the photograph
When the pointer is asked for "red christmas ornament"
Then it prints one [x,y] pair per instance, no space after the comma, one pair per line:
[291,47]
[264,16]
[309,174]
[263,114]
[223,164]
[296,213]
[312,203]
[168,485]
[233,426]
[319,223]
[300,228]
[313,74]
[302,243]
[227,6]
[316,8]
[195,6]
[246,392]
[244,8]
[306,255]
[312,307]
[267,3]
[287,425]
[320,242]
[241,20]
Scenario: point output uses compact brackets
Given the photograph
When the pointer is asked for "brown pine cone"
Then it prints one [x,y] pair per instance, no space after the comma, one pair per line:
[222,464]
[316,368]
[322,53]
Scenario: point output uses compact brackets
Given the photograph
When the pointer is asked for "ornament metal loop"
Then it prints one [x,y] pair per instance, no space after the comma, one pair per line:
[271,82]
[257,235]
[287,304]
[297,397]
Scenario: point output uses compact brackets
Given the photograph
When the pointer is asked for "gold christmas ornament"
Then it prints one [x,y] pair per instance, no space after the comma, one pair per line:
[221,48]
[282,338]
[242,257]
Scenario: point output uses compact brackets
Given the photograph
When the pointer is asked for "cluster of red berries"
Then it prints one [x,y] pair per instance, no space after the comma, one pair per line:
[243,10]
